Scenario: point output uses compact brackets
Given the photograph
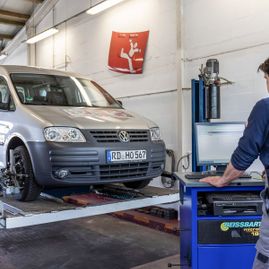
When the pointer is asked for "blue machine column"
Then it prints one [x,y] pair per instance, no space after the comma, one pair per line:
[198,115]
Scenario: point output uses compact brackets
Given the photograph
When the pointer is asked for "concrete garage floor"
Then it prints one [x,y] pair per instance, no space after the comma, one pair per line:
[98,242]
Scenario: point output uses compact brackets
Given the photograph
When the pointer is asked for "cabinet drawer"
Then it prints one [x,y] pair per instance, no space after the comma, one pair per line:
[230,257]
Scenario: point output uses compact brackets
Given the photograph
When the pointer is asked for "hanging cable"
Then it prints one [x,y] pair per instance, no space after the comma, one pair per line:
[167,178]
[187,157]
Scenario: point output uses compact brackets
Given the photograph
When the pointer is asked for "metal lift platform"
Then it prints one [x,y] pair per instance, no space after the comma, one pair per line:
[109,199]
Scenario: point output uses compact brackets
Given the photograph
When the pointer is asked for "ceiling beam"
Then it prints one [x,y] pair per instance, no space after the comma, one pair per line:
[14,14]
[14,22]
[3,36]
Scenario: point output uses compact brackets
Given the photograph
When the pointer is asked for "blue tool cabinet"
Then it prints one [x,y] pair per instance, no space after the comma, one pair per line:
[206,242]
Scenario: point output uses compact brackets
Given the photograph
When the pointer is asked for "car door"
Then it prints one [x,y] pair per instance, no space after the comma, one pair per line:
[6,107]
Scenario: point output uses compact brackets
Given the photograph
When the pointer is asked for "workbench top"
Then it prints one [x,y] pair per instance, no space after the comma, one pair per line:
[237,182]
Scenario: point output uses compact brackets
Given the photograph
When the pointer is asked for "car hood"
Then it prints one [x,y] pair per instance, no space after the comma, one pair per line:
[89,118]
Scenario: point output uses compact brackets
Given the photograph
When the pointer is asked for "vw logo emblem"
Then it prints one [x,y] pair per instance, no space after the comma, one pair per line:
[123,136]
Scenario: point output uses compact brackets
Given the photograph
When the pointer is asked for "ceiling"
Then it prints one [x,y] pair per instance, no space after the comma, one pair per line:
[13,16]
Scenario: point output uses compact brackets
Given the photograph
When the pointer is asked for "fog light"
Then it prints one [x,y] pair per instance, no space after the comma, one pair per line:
[62,173]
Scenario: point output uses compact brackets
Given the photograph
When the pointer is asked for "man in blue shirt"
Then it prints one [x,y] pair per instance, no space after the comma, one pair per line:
[253,144]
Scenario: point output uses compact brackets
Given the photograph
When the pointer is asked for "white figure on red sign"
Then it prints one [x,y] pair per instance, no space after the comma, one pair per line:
[129,56]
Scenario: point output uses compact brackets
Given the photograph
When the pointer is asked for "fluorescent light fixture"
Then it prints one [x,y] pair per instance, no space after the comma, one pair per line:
[102,6]
[42,35]
[3,56]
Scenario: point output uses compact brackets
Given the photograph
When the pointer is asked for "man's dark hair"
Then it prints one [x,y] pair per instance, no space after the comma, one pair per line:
[264,67]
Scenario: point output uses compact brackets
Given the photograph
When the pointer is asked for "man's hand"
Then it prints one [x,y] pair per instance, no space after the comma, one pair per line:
[229,175]
[215,181]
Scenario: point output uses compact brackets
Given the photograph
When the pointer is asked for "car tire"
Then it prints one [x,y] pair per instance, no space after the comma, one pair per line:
[30,190]
[140,184]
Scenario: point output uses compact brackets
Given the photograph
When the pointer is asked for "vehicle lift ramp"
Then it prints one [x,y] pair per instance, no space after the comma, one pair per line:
[48,208]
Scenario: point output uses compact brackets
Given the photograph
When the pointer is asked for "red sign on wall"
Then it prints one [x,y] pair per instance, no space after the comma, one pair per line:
[127,51]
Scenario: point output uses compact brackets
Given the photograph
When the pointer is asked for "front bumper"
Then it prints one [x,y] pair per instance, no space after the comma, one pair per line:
[87,164]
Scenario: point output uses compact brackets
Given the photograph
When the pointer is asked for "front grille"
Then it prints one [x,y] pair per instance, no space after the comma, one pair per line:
[79,163]
[111,136]
[124,170]
[156,167]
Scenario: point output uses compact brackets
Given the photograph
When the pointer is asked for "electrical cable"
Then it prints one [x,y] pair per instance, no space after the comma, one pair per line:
[169,265]
[186,156]
[188,163]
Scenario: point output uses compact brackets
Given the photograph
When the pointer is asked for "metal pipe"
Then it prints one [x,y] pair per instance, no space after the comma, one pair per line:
[225,52]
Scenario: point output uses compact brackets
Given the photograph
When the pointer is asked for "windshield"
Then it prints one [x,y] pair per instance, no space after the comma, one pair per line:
[50,90]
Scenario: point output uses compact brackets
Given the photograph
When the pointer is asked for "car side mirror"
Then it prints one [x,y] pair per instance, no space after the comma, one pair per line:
[7,106]
[4,106]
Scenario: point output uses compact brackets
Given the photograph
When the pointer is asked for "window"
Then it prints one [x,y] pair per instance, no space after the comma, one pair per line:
[6,102]
[51,90]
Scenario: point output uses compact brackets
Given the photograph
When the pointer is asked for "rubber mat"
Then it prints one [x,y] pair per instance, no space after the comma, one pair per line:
[161,224]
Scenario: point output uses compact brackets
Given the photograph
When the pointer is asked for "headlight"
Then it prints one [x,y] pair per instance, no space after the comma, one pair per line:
[63,134]
[155,134]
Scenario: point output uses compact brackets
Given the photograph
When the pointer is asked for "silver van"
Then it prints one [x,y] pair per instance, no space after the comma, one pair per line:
[62,129]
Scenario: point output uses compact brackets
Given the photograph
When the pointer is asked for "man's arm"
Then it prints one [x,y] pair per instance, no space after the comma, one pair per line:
[249,146]
[230,174]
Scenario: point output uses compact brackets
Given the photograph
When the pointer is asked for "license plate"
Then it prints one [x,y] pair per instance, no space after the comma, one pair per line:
[126,155]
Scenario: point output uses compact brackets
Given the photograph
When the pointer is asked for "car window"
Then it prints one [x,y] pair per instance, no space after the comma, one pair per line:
[51,90]
[21,93]
[6,102]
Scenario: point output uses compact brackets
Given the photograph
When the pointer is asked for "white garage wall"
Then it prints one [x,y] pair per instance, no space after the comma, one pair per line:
[234,32]
[18,57]
[87,38]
